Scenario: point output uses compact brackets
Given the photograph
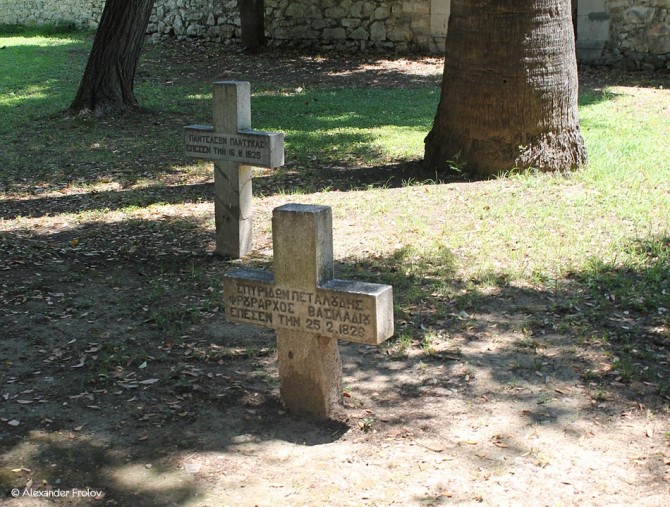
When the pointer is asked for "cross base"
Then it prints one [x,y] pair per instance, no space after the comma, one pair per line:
[310,374]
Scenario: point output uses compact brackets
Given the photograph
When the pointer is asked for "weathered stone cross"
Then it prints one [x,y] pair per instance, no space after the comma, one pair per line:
[308,308]
[234,147]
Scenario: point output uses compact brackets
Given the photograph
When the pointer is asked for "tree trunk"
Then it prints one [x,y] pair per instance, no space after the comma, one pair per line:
[107,86]
[509,90]
[252,19]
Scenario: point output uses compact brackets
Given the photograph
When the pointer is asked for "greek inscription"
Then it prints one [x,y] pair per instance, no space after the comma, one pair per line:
[318,312]
[252,315]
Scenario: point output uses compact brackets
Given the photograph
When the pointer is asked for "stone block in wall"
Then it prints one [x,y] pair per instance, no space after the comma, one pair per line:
[378,31]
[337,12]
[399,34]
[659,38]
[281,34]
[313,12]
[351,23]
[337,33]
[214,32]
[195,30]
[319,24]
[359,33]
[178,26]
[639,15]
[294,10]
[382,12]
[368,9]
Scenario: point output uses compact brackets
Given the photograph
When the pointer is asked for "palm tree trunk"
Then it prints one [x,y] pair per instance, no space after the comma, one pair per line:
[509,90]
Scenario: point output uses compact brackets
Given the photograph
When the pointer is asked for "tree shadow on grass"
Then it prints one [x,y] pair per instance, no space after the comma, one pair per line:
[267,183]
[609,323]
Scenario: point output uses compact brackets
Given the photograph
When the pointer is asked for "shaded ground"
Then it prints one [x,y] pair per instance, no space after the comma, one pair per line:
[120,377]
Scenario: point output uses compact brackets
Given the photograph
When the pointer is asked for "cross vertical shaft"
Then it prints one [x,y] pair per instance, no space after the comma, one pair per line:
[232,181]
[310,370]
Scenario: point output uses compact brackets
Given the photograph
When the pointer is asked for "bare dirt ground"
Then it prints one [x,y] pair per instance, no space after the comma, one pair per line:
[98,402]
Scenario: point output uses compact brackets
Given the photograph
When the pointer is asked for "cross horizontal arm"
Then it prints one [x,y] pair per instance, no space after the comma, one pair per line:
[352,311]
[251,147]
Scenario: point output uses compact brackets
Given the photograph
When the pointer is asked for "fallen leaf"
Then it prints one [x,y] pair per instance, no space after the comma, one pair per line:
[13,422]
[80,364]
[149,381]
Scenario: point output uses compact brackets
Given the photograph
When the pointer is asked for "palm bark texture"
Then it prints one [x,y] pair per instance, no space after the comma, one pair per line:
[509,90]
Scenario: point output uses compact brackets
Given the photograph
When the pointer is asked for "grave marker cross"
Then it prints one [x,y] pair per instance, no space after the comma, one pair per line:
[308,308]
[234,148]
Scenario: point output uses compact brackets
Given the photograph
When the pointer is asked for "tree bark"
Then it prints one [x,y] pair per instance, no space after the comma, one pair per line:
[107,86]
[509,89]
[252,20]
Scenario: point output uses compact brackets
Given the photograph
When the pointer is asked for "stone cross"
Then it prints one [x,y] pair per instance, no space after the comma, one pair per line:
[308,308]
[234,148]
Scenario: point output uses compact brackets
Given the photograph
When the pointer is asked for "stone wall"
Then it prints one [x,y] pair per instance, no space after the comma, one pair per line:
[634,33]
[85,13]
[207,19]
[631,33]
[639,33]
[400,25]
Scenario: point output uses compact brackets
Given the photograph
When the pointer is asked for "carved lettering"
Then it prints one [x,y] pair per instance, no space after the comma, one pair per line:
[322,311]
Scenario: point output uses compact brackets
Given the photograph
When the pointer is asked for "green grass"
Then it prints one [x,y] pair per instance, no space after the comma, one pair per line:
[47,29]
[31,88]
[375,126]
